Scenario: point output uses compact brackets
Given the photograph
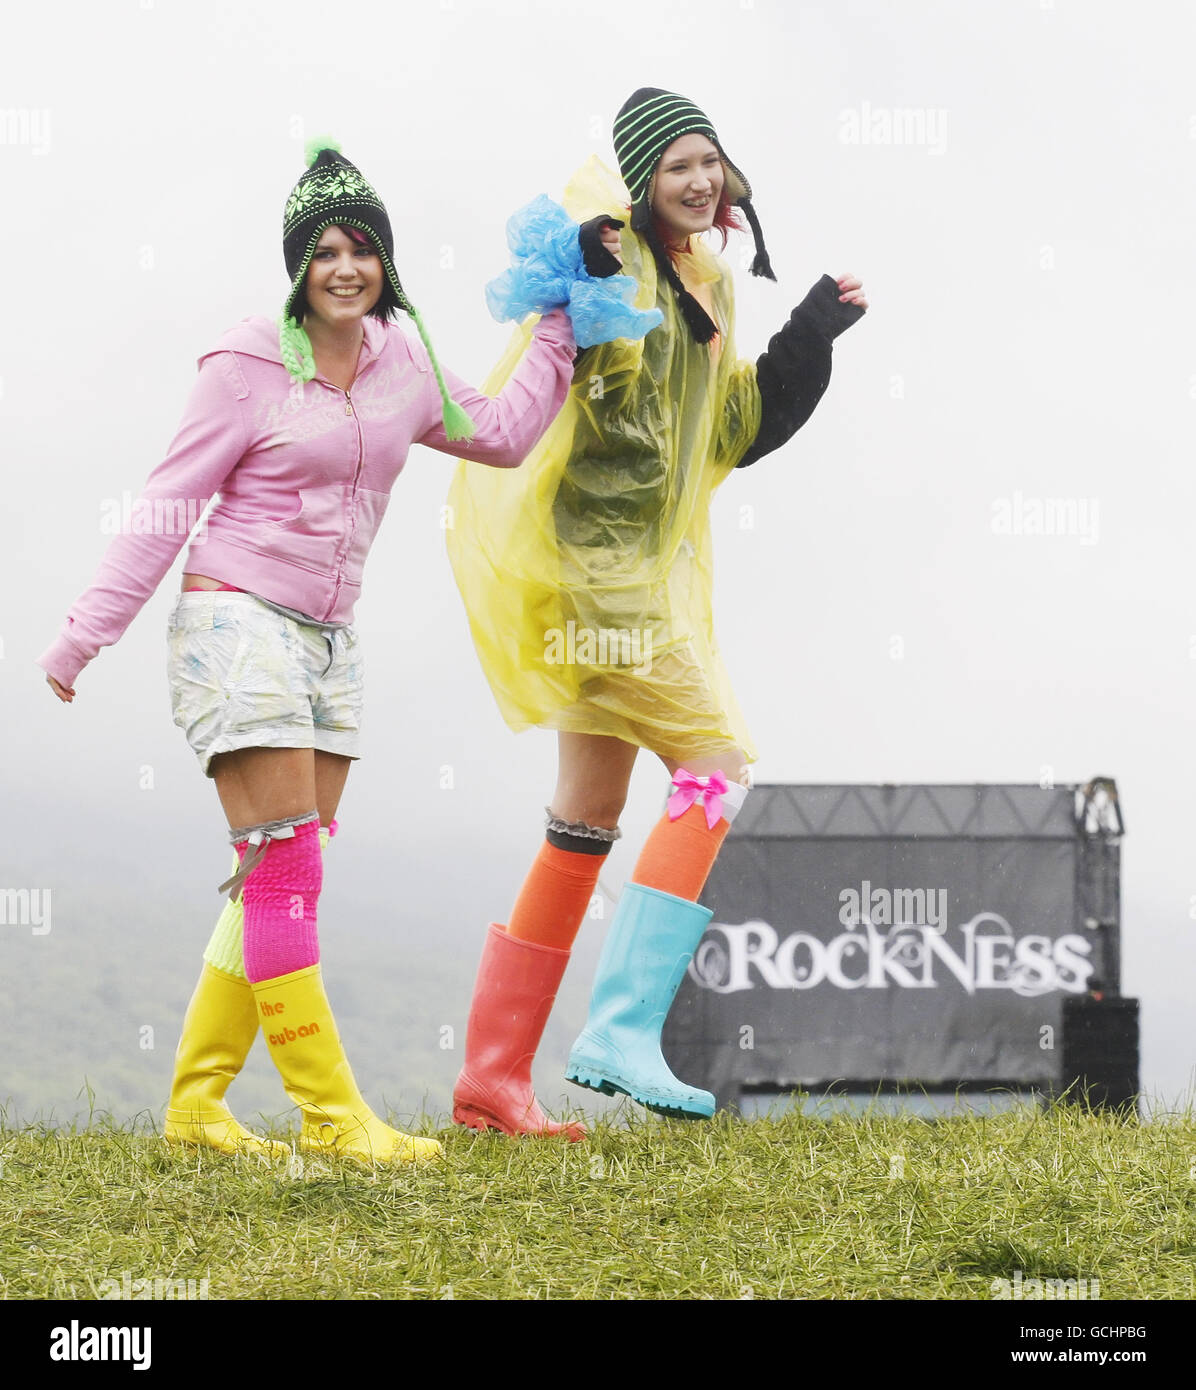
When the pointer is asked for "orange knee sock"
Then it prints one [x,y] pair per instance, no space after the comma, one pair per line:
[678,855]
[553,900]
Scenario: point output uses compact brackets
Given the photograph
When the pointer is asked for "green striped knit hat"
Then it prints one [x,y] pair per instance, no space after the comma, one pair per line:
[647,124]
[333,192]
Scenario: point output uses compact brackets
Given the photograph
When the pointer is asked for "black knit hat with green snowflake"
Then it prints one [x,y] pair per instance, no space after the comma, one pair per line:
[647,124]
[333,192]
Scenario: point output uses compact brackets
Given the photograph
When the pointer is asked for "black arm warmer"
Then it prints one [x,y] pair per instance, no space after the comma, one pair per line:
[599,261]
[796,369]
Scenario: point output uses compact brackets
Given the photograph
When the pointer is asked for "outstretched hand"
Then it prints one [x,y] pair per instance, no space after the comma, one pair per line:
[64,692]
[851,290]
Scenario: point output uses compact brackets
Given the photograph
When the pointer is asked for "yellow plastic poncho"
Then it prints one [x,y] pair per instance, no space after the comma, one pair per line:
[587,572]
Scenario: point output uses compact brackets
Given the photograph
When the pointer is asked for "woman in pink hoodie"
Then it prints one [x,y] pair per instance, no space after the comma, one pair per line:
[302,429]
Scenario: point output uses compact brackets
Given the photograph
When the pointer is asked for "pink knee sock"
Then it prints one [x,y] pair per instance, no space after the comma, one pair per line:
[280,897]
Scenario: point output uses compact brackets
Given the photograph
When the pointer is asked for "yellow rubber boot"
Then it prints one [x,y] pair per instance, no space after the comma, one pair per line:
[301,1033]
[218,1031]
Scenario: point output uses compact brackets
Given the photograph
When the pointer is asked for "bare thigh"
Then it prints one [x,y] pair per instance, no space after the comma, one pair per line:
[594,773]
[731,763]
[256,785]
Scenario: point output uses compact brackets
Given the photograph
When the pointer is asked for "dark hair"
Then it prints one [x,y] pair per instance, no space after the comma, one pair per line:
[388,301]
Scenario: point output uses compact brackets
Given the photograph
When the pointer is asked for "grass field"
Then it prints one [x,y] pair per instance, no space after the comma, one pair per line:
[869,1208]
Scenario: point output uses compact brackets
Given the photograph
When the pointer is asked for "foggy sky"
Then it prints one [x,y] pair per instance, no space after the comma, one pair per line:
[1028,259]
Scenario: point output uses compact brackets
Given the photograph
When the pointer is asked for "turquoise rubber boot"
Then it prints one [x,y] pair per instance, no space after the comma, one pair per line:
[650,943]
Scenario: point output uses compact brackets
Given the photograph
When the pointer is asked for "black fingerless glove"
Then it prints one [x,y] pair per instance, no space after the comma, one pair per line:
[599,262]
[796,369]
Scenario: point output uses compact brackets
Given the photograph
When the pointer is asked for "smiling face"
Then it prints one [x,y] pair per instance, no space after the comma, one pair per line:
[687,185]
[344,279]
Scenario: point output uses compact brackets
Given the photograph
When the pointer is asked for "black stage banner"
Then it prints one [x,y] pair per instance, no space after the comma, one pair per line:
[923,935]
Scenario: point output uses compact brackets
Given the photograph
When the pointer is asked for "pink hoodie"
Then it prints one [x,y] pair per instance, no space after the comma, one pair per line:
[304,473]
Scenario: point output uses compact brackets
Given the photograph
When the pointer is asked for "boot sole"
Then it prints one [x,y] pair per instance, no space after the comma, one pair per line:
[221,1133]
[272,1149]
[596,1080]
[313,1146]
[479,1121]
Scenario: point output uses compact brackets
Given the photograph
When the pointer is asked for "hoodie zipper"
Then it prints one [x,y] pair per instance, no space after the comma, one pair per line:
[351,519]
[360,441]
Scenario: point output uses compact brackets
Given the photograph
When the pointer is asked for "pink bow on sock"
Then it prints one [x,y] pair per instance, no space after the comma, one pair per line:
[708,790]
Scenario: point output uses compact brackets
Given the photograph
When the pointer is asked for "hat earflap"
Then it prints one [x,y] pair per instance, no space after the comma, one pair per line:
[761,265]
[294,347]
[457,424]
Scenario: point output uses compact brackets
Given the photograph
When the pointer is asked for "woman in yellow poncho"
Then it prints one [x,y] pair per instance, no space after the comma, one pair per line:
[587,579]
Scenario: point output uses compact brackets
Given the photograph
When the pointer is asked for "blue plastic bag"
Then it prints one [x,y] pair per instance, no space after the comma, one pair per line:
[548,272]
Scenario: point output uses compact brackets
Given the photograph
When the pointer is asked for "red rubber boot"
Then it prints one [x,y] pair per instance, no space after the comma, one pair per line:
[516,986]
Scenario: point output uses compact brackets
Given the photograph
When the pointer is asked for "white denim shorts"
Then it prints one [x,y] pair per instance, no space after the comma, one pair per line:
[245,676]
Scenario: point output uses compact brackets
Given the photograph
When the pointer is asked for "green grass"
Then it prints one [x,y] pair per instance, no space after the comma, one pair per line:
[869,1208]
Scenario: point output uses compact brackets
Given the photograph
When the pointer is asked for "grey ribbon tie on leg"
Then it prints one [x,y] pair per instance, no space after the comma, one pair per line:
[253,857]
[259,837]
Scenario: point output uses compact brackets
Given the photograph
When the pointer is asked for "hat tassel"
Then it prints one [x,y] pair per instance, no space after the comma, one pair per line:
[457,424]
[761,265]
[294,347]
